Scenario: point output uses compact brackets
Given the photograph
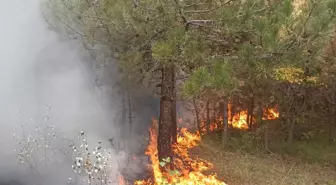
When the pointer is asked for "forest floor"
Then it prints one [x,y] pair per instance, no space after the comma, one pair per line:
[242,168]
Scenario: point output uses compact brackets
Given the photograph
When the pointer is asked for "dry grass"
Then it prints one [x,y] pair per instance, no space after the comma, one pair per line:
[247,169]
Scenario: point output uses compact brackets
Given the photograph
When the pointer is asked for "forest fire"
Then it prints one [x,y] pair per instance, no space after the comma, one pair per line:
[121,180]
[188,170]
[270,114]
[239,120]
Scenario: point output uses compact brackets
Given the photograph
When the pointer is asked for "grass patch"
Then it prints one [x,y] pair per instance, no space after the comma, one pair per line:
[312,152]
[242,168]
[320,152]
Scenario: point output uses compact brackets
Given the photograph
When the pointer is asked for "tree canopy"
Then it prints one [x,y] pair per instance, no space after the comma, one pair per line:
[265,50]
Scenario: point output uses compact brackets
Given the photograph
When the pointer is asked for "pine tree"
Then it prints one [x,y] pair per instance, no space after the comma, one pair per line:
[223,47]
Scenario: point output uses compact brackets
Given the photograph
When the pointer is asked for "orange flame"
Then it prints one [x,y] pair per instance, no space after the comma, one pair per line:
[238,120]
[190,169]
[121,180]
[270,114]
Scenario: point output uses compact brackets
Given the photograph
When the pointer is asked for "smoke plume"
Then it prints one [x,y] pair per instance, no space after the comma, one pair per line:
[41,72]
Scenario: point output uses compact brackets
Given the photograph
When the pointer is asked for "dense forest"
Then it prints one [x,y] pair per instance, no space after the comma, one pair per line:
[251,78]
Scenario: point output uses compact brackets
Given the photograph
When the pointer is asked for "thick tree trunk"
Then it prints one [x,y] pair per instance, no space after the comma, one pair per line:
[166,122]
[225,121]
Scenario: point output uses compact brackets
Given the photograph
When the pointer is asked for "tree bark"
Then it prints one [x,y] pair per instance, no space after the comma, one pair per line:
[331,128]
[197,117]
[174,114]
[166,123]
[130,118]
[124,126]
[208,116]
[250,115]
[290,138]
[232,111]
[260,122]
[225,121]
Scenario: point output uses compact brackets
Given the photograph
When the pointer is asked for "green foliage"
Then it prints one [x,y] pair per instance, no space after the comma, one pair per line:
[163,163]
[218,77]
[287,8]
[292,75]
[163,50]
[197,82]
[223,80]
[246,40]
[217,47]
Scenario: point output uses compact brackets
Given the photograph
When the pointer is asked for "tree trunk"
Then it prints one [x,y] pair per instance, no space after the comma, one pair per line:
[130,118]
[331,128]
[291,133]
[174,114]
[130,121]
[250,115]
[260,122]
[166,111]
[197,117]
[231,112]
[208,116]
[266,137]
[225,121]
[123,119]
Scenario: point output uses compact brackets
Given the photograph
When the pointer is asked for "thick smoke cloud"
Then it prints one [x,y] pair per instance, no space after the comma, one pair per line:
[39,69]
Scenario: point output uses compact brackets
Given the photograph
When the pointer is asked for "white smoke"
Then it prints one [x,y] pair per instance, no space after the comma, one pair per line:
[38,69]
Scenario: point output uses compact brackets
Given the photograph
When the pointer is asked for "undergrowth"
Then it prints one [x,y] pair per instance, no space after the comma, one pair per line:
[311,151]
[241,163]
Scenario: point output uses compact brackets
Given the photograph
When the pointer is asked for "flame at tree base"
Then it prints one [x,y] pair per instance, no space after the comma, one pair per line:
[189,169]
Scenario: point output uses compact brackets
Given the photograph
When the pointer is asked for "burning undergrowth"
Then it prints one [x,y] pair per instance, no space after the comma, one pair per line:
[238,120]
[187,169]
[96,165]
